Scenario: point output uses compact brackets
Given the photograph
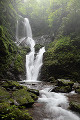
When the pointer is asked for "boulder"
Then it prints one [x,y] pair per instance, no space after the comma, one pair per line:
[75,106]
[63,82]
[62,89]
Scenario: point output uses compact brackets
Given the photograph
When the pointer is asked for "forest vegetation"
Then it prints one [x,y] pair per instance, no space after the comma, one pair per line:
[60,19]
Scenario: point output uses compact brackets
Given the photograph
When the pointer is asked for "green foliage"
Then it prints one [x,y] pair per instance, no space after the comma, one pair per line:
[18,64]
[14,100]
[4,95]
[1,31]
[62,59]
[13,113]
[11,85]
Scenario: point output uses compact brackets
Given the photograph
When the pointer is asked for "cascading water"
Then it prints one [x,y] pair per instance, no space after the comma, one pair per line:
[33,64]
[56,106]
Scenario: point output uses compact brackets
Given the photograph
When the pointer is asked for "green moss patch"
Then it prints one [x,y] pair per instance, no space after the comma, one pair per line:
[75,106]
[4,95]
[10,85]
[13,113]
[23,97]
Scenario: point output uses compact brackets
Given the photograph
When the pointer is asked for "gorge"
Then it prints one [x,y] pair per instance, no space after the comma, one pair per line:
[37,82]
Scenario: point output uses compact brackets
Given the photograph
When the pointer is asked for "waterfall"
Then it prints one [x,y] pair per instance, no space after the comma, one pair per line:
[33,63]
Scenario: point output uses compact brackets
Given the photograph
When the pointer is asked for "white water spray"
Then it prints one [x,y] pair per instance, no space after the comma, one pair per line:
[33,64]
[56,106]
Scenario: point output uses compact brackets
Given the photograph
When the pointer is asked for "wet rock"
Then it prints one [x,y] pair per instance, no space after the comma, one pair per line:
[63,82]
[36,92]
[75,106]
[62,89]
[76,87]
[23,97]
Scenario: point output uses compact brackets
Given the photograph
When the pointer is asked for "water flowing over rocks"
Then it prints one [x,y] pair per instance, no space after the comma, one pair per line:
[51,105]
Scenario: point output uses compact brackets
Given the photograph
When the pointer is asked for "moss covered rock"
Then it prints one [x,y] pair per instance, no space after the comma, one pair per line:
[62,89]
[22,97]
[63,82]
[14,98]
[75,106]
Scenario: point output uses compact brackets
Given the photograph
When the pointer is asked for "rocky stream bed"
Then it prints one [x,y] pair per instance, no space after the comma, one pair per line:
[52,105]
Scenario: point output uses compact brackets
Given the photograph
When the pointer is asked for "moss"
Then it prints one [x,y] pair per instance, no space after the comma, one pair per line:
[62,60]
[75,106]
[63,82]
[18,64]
[77,90]
[23,97]
[13,113]
[36,92]
[62,89]
[13,85]
[14,99]
[37,47]
[4,95]
[1,31]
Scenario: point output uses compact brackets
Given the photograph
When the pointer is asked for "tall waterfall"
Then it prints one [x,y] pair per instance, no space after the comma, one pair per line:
[33,63]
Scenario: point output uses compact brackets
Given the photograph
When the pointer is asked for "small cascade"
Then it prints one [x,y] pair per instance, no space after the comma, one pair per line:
[56,106]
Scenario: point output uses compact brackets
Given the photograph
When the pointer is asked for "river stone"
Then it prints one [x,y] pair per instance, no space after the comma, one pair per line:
[62,89]
[36,92]
[63,82]
[75,106]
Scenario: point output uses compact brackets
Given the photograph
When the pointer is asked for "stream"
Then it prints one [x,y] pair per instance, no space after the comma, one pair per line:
[50,105]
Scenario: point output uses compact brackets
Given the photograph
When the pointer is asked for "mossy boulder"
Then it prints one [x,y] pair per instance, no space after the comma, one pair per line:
[63,82]
[62,89]
[23,97]
[37,47]
[36,92]
[14,98]
[75,106]
[77,90]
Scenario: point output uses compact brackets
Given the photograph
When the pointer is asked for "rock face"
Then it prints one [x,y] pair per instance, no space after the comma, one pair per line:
[14,96]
